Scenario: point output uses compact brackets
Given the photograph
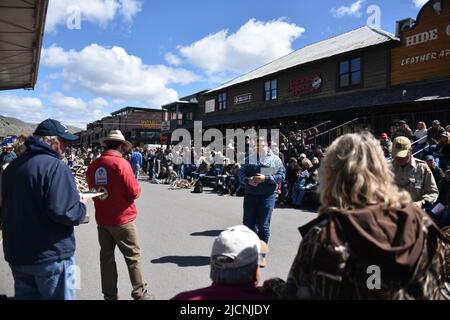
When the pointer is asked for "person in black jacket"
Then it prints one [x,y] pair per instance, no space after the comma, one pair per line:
[40,206]
[442,216]
[437,172]
[443,150]
[434,133]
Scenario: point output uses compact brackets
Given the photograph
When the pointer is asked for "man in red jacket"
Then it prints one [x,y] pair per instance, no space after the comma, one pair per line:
[115,213]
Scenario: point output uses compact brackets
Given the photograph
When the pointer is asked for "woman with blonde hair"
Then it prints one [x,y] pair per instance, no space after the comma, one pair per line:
[369,241]
[355,174]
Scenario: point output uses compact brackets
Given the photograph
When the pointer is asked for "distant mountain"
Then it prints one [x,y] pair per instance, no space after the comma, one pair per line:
[13,126]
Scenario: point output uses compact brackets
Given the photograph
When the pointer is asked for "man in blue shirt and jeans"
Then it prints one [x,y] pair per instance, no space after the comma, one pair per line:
[136,162]
[261,174]
[41,206]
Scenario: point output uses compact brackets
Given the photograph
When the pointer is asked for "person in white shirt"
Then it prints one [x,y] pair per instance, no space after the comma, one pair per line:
[420,137]
[421,132]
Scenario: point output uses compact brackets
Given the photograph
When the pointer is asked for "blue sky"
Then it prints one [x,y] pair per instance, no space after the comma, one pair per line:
[148,53]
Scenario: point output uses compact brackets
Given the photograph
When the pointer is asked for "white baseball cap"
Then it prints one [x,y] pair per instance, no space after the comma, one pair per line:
[237,247]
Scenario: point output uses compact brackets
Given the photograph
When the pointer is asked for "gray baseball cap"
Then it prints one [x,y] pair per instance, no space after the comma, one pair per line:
[237,247]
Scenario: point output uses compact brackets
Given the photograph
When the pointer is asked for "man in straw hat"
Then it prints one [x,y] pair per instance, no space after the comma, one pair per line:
[115,213]
[236,259]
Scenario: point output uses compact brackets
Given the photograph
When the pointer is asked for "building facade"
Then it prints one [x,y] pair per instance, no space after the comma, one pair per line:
[139,125]
[179,114]
[366,75]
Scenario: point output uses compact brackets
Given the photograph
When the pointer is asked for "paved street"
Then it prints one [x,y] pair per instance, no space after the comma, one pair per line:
[176,230]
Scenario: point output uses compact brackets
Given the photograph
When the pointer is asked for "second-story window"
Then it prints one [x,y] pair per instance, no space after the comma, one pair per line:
[222,99]
[270,90]
[350,73]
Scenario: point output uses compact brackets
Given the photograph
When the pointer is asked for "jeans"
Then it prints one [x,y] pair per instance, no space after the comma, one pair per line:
[188,170]
[181,171]
[299,191]
[45,281]
[284,191]
[151,171]
[136,168]
[125,238]
[443,163]
[257,214]
[196,175]
[442,219]
[417,147]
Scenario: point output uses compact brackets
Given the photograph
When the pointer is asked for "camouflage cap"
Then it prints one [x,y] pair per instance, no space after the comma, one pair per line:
[401,147]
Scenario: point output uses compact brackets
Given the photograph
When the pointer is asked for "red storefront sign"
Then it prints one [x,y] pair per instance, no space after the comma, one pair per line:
[305,85]
[163,139]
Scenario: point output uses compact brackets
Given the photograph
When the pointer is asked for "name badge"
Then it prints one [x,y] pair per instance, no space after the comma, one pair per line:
[101,176]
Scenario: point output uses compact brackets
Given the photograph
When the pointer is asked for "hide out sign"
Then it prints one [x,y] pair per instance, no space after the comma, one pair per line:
[305,85]
[425,49]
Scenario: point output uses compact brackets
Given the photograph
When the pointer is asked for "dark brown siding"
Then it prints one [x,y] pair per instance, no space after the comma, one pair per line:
[375,75]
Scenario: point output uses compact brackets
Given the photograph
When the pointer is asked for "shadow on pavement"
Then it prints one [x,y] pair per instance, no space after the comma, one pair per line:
[184,261]
[207,233]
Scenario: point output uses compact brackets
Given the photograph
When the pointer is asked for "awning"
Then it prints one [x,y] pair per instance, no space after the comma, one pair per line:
[21,31]
[424,91]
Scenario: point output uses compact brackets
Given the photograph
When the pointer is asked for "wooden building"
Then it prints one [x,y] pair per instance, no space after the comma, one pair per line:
[179,114]
[365,74]
[139,126]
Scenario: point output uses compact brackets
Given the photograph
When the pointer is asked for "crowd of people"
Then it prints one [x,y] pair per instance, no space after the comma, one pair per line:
[367,222]
[379,204]
[299,152]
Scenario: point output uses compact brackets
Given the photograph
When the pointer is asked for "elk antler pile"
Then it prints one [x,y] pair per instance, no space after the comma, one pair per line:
[79,173]
[182,184]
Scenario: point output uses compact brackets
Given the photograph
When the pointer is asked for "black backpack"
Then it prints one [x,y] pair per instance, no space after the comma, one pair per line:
[198,188]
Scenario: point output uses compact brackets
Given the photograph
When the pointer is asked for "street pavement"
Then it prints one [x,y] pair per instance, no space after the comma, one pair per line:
[176,229]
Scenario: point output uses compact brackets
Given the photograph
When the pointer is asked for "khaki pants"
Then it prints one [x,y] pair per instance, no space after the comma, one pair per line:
[125,237]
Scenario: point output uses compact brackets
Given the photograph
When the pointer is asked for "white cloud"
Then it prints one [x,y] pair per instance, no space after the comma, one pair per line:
[67,109]
[353,10]
[99,102]
[419,3]
[67,104]
[172,59]
[113,73]
[254,44]
[130,8]
[76,111]
[22,108]
[99,12]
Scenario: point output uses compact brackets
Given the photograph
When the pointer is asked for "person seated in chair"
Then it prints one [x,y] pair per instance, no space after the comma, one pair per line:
[223,178]
[306,181]
[202,170]
[163,175]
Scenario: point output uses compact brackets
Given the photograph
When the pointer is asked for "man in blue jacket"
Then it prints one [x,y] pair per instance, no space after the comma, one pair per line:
[40,207]
[261,174]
